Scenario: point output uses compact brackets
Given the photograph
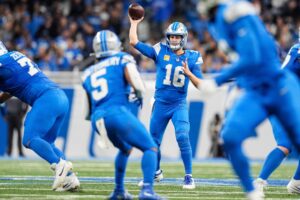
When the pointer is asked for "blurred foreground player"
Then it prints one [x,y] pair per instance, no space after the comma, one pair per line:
[284,145]
[257,71]
[20,77]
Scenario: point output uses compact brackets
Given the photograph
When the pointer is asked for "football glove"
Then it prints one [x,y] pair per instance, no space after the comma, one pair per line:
[136,98]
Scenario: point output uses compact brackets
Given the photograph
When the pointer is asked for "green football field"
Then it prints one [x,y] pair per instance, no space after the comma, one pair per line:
[32,179]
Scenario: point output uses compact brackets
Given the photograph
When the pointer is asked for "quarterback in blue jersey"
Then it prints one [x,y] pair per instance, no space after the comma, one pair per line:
[257,71]
[20,77]
[171,89]
[284,145]
[107,86]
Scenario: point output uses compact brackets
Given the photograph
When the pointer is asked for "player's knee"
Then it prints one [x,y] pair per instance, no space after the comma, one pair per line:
[26,142]
[128,152]
[125,152]
[183,140]
[155,149]
[229,140]
[285,149]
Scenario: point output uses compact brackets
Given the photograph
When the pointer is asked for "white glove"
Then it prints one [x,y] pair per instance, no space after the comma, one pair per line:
[208,86]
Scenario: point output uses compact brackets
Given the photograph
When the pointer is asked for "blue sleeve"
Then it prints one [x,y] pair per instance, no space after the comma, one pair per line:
[146,50]
[196,66]
[245,44]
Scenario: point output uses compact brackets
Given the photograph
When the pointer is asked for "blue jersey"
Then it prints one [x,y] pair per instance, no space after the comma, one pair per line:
[21,77]
[292,61]
[238,24]
[171,84]
[106,85]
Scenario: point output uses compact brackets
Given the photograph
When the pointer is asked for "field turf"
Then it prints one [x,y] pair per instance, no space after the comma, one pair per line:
[32,179]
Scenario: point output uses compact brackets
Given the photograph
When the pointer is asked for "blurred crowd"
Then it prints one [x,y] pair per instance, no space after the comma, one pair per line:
[58,34]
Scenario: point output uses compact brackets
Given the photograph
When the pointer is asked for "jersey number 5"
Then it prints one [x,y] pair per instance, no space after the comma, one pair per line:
[27,62]
[178,79]
[99,85]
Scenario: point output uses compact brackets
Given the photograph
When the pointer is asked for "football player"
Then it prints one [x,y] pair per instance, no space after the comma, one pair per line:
[257,71]
[284,145]
[107,86]
[171,89]
[20,77]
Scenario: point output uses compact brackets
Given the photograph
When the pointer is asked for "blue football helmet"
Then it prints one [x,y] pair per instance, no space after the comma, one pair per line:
[3,49]
[106,43]
[177,28]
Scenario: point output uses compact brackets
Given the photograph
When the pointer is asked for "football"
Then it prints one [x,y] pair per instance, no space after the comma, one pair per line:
[136,11]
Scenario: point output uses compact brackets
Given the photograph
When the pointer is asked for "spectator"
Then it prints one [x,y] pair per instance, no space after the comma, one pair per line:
[14,115]
[215,126]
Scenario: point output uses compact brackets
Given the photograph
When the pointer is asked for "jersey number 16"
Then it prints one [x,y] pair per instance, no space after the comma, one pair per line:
[178,79]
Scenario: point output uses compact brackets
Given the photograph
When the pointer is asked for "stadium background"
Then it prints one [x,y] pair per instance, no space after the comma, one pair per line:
[57,35]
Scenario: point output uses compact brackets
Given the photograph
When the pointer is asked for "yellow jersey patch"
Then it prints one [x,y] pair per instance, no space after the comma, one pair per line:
[166,57]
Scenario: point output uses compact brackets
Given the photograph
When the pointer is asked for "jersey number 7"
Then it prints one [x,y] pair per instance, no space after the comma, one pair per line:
[27,62]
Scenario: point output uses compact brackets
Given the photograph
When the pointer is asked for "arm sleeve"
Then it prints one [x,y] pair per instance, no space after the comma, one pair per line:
[246,44]
[135,79]
[88,106]
[196,67]
[146,50]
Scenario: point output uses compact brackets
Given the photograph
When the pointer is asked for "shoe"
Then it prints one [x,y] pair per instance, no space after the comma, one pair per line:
[61,170]
[260,184]
[188,182]
[120,195]
[157,177]
[254,195]
[293,186]
[71,183]
[147,193]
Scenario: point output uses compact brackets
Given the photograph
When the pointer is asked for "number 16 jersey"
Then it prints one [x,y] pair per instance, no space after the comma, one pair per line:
[171,83]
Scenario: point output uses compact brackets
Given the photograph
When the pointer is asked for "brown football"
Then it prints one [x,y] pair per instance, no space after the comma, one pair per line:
[136,11]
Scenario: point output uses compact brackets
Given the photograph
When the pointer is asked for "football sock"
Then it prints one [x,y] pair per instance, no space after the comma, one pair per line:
[44,150]
[186,153]
[58,152]
[187,161]
[272,161]
[120,169]
[158,160]
[149,165]
[240,165]
[297,172]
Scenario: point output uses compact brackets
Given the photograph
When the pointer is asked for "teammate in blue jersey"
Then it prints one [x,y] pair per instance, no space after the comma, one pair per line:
[284,145]
[257,71]
[20,77]
[107,86]
[171,90]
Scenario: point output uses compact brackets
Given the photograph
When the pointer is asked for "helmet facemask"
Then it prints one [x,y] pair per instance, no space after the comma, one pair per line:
[176,29]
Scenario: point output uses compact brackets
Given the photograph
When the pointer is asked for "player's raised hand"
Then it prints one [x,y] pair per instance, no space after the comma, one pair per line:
[133,21]
[186,69]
